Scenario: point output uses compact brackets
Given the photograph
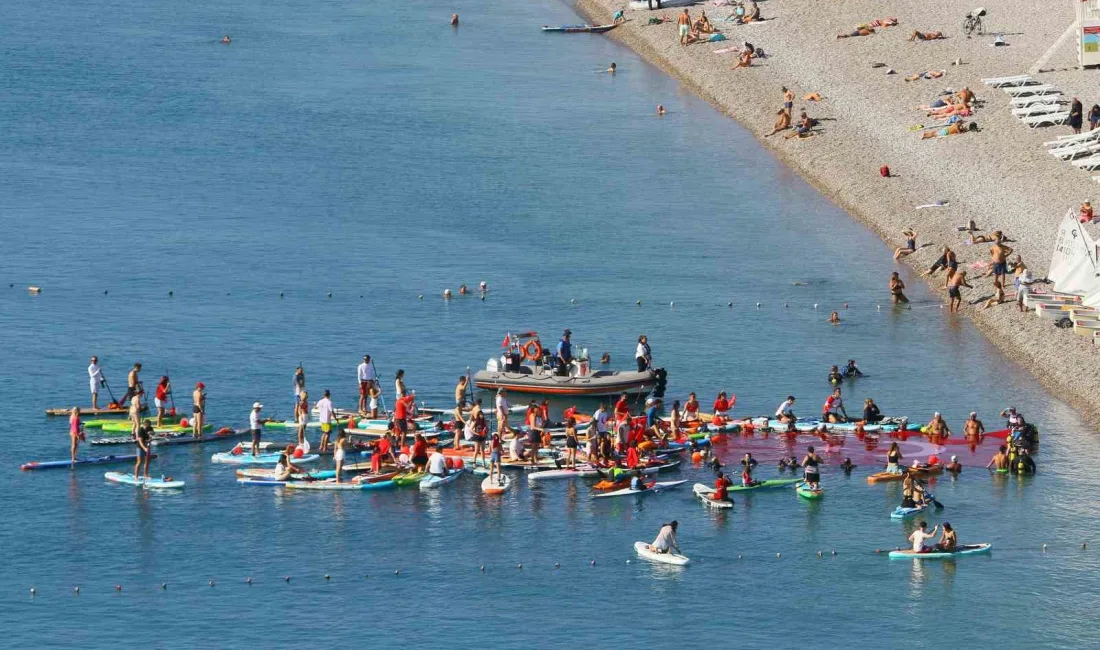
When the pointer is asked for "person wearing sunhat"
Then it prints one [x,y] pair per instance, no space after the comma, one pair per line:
[256,426]
[198,409]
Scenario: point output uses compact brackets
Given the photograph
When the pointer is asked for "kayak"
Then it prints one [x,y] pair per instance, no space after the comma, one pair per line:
[432,482]
[765,485]
[332,485]
[966,549]
[162,483]
[409,478]
[880,477]
[653,487]
[230,458]
[579,29]
[805,492]
[642,549]
[266,473]
[496,484]
[706,494]
[904,513]
[582,471]
[61,464]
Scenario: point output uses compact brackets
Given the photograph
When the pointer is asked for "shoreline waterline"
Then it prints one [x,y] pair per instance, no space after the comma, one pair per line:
[1062,362]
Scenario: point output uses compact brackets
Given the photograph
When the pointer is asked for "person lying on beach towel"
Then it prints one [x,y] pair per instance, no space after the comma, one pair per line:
[926,36]
[782,123]
[882,22]
[812,97]
[930,74]
[862,31]
[954,129]
[962,110]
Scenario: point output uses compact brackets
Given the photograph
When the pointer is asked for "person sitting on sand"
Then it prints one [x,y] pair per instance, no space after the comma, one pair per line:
[998,295]
[925,36]
[744,59]
[910,244]
[804,128]
[860,31]
[930,74]
[1086,212]
[966,96]
[954,129]
[702,25]
[782,123]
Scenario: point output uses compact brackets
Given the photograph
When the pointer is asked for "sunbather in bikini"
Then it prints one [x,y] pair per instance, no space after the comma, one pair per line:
[860,31]
[925,36]
[962,110]
[930,74]
[953,129]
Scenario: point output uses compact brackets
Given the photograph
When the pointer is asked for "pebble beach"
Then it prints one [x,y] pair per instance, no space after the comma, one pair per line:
[1001,176]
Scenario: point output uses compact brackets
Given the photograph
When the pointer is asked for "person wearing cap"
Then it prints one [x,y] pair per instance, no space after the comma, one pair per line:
[666,539]
[937,428]
[973,427]
[95,380]
[256,426]
[954,466]
[325,412]
[564,353]
[198,410]
[366,376]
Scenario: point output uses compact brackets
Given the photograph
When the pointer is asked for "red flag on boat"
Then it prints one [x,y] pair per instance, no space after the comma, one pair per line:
[507,341]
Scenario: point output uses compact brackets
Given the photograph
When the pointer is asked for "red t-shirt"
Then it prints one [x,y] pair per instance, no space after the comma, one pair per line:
[720,486]
[632,457]
[401,408]
[721,405]
[621,409]
[691,407]
[162,391]
[420,448]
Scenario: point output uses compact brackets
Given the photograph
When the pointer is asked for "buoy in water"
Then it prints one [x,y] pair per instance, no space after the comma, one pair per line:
[815,305]
[286,579]
[778,555]
[519,566]
[211,583]
[171,293]
[483,568]
[33,591]
[326,576]
[164,585]
[329,294]
[76,590]
[638,303]
[758,305]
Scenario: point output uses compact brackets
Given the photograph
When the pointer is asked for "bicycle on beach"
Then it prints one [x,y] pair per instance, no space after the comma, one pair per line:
[973,22]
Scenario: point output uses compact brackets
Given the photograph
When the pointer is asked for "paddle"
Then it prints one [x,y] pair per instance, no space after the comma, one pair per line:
[171,397]
[109,392]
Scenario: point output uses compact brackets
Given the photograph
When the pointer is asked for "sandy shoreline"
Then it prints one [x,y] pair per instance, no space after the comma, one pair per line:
[1002,177]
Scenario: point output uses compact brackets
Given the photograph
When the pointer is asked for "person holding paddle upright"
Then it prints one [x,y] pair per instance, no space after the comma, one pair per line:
[95,380]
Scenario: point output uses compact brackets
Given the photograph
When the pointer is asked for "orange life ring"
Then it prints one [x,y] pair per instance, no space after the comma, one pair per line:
[532,350]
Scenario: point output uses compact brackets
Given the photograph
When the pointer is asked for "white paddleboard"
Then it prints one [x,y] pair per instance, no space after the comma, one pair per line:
[705,493]
[626,492]
[496,484]
[642,549]
[159,483]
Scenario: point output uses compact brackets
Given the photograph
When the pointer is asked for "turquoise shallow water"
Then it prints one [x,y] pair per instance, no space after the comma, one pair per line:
[376,154]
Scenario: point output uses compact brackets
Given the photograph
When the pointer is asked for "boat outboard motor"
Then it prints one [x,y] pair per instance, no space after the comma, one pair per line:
[660,384]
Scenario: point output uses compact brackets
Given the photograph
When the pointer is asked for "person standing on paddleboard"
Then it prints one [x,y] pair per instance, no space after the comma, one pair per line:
[366,382]
[810,465]
[299,383]
[256,427]
[135,413]
[160,398]
[402,411]
[95,380]
[133,383]
[325,411]
[666,539]
[76,432]
[198,410]
[301,416]
[143,437]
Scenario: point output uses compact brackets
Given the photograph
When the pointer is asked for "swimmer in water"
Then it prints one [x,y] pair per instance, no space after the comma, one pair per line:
[462,290]
[611,69]
[847,466]
[226,40]
[954,466]
[661,110]
[606,358]
[454,20]
[834,318]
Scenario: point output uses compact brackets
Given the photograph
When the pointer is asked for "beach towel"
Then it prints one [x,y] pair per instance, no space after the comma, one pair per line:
[714,38]
[938,204]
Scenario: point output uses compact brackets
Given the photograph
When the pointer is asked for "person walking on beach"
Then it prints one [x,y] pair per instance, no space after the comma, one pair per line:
[683,23]
[366,375]
[1094,117]
[95,380]
[133,383]
[897,288]
[1076,115]
[956,281]
[256,427]
[198,410]
[998,254]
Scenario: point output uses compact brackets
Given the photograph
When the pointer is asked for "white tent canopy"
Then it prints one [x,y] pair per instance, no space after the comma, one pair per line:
[1073,266]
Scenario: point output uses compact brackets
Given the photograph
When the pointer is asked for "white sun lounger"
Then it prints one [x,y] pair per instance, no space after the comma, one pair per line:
[1090,163]
[1041,89]
[1047,118]
[1016,80]
[1036,109]
[1028,100]
[1080,149]
[1073,138]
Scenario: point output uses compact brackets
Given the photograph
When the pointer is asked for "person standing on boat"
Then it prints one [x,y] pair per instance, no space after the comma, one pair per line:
[643,354]
[502,412]
[564,353]
[367,377]
[95,380]
[133,383]
[256,427]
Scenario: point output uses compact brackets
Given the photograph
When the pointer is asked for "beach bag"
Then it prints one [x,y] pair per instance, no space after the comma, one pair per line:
[884,171]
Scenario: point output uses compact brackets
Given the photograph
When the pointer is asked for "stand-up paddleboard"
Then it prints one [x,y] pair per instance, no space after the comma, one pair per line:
[229,458]
[706,495]
[332,485]
[582,471]
[409,478]
[153,483]
[496,484]
[88,411]
[654,487]
[765,485]
[431,482]
[269,473]
[190,440]
[905,513]
[642,549]
[63,464]
[805,492]
[967,549]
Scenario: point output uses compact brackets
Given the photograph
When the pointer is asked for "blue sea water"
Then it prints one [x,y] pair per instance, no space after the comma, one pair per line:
[375,153]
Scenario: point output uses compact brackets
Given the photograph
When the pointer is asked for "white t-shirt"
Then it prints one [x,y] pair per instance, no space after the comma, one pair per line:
[255,420]
[324,410]
[786,408]
[95,373]
[640,352]
[600,417]
[918,538]
[665,539]
[468,429]
[437,464]
[502,404]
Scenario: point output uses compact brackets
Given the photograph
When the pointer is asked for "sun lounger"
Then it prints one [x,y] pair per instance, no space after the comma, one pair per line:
[1047,118]
[1080,149]
[1036,109]
[1028,100]
[1017,80]
[1090,163]
[1072,139]
[1041,89]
